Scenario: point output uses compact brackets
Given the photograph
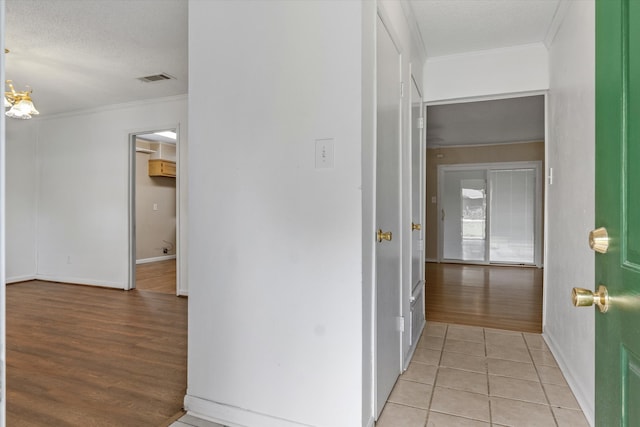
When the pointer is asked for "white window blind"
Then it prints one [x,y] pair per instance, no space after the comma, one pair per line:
[512,219]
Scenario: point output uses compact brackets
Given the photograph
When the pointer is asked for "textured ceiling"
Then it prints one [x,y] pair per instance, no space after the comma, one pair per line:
[79,54]
[486,122]
[457,26]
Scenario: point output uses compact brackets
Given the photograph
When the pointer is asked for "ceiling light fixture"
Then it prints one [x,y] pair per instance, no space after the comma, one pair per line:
[167,134]
[19,103]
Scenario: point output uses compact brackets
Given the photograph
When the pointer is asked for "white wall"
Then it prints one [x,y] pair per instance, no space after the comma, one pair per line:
[21,179]
[82,207]
[571,199]
[275,271]
[518,69]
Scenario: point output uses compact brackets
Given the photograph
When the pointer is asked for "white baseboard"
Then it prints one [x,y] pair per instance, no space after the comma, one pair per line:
[17,279]
[77,281]
[585,401]
[232,416]
[155,259]
[430,260]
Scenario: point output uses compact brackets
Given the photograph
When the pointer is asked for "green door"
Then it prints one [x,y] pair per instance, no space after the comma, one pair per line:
[618,210]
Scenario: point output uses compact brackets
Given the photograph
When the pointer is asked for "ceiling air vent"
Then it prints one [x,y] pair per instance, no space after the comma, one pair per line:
[156,78]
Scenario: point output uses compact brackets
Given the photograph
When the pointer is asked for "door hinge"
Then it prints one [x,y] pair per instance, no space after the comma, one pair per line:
[421,123]
[401,89]
[400,321]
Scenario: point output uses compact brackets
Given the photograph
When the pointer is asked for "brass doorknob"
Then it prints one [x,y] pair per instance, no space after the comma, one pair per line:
[415,227]
[599,240]
[384,235]
[585,298]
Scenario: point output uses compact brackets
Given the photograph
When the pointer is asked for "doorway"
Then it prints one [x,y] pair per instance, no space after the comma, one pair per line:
[485,196]
[153,211]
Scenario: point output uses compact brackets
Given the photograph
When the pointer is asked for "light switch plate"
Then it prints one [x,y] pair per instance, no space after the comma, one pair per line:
[324,153]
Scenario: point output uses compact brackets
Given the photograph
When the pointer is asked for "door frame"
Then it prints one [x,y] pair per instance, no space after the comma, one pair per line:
[3,213]
[131,251]
[486,167]
[547,173]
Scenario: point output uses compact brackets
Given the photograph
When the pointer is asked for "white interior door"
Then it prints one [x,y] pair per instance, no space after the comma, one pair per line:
[413,297]
[388,347]
[417,188]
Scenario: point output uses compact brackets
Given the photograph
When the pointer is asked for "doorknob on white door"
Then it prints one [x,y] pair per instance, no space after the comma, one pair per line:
[384,235]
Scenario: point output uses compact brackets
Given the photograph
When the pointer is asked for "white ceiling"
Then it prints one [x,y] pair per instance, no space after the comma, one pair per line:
[457,26]
[82,54]
[450,27]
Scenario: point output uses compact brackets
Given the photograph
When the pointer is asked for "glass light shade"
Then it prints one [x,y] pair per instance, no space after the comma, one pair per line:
[26,105]
[16,113]
[23,109]
[7,104]
[19,111]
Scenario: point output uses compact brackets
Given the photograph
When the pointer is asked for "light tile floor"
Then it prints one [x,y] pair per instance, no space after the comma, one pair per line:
[469,376]
[465,376]
[191,421]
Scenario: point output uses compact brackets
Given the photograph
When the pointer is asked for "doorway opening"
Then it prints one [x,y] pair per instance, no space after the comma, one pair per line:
[485,206]
[153,211]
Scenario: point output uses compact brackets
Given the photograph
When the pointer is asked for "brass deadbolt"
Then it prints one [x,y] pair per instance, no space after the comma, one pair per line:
[599,240]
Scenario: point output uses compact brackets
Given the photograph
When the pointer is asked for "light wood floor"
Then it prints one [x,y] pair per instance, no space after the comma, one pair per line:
[157,276]
[488,296]
[87,356]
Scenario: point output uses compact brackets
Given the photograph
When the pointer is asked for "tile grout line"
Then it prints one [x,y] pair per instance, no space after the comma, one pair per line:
[530,347]
[435,377]
[486,367]
[544,390]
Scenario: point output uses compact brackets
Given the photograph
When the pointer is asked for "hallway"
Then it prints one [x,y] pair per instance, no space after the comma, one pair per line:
[471,376]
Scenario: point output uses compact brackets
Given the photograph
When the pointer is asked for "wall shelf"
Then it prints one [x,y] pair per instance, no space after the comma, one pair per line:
[159,167]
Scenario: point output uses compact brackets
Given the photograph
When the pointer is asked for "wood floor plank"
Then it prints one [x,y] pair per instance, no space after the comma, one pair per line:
[157,276]
[501,297]
[87,356]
